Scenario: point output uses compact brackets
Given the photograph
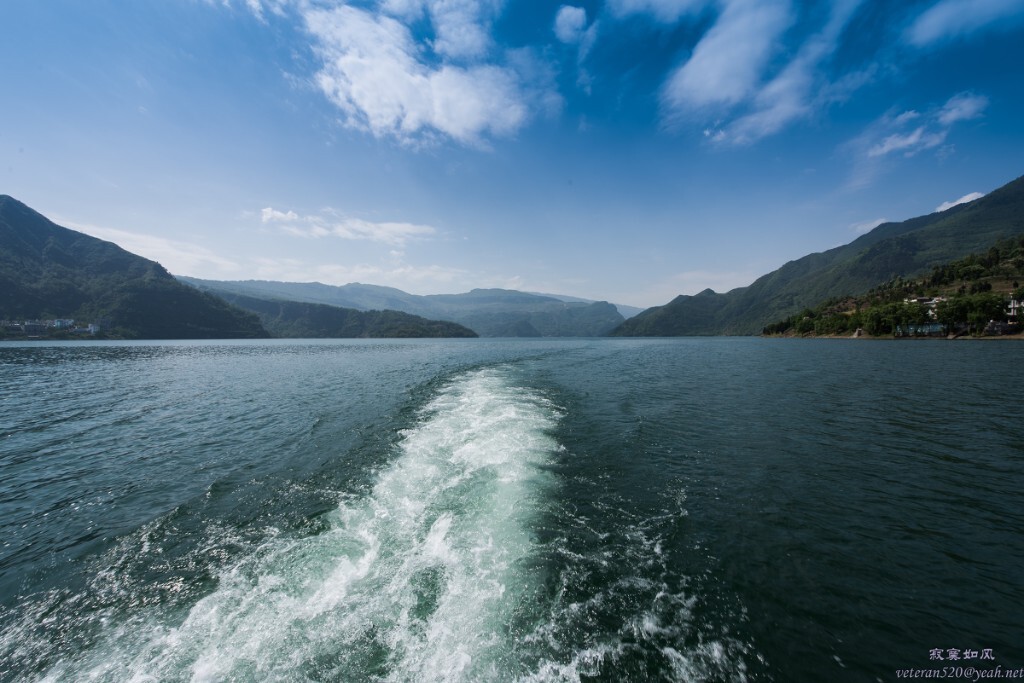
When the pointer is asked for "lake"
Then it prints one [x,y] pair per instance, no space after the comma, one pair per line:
[720,509]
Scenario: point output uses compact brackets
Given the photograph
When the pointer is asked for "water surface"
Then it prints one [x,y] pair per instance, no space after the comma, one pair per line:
[564,510]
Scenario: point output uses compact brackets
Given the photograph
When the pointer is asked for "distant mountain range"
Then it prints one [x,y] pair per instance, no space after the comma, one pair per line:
[48,272]
[904,249]
[297,319]
[488,312]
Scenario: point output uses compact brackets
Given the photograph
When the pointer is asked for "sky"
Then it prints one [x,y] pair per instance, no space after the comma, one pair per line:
[619,150]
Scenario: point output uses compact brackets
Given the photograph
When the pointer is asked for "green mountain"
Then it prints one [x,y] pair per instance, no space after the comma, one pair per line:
[358,296]
[626,311]
[488,312]
[49,272]
[906,249]
[296,319]
[961,296]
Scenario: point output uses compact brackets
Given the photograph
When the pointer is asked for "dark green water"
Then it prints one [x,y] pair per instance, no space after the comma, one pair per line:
[571,510]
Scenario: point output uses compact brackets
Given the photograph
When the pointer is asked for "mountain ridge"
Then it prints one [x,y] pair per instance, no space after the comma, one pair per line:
[490,312]
[296,319]
[48,271]
[903,248]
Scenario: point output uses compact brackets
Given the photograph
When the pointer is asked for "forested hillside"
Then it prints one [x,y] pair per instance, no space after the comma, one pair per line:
[304,320]
[962,296]
[892,250]
[48,272]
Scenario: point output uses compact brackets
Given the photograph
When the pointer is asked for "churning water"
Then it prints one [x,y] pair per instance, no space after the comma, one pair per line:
[480,510]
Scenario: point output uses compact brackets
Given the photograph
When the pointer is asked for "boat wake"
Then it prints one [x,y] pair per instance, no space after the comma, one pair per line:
[418,580]
[461,561]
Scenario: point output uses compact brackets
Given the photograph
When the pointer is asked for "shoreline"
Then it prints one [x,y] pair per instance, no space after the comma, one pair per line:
[1002,337]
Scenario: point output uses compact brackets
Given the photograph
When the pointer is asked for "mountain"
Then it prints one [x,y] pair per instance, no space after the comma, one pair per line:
[488,312]
[970,295]
[48,272]
[626,311]
[296,319]
[906,249]
[358,296]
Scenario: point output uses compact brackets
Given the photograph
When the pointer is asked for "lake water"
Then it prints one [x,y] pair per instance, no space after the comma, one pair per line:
[507,510]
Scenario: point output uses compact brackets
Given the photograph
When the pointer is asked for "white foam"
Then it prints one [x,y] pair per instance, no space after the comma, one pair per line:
[414,581]
[421,577]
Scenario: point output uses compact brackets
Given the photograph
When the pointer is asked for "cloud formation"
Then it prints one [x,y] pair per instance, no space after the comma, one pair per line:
[736,79]
[269,215]
[422,71]
[970,197]
[910,143]
[257,7]
[949,19]
[962,107]
[799,89]
[911,132]
[180,258]
[730,58]
[907,135]
[380,77]
[332,225]
[461,27]
[666,11]
[570,23]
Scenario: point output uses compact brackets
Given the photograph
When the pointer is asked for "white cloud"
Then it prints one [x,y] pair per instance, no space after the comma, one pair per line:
[333,225]
[409,10]
[962,107]
[570,23]
[785,99]
[727,63]
[735,82]
[949,19]
[183,258]
[257,7]
[715,134]
[389,233]
[908,134]
[269,215]
[374,72]
[912,132]
[310,231]
[668,11]
[867,226]
[906,117]
[570,27]
[180,258]
[944,206]
[461,27]
[910,143]
[797,90]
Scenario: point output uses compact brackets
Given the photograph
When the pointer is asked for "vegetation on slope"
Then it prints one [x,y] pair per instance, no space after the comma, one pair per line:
[968,294]
[907,249]
[489,312]
[49,272]
[293,319]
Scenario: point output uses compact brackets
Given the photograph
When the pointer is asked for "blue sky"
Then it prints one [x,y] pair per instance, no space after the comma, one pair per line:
[625,150]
